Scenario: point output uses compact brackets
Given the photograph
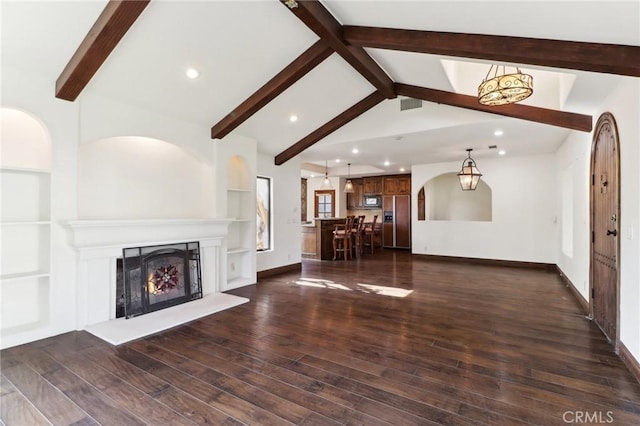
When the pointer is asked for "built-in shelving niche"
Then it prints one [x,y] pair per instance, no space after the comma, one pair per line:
[25,226]
[241,237]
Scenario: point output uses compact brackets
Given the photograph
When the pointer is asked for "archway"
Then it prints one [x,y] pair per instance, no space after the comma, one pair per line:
[444,200]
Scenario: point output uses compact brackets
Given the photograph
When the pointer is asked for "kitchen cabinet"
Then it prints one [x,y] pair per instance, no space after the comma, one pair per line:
[355,200]
[390,185]
[396,185]
[404,185]
[373,185]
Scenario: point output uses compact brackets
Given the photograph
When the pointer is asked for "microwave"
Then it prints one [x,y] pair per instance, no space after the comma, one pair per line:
[372,201]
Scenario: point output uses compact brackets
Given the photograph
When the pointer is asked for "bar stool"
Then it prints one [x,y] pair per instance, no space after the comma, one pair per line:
[342,238]
[370,234]
[358,240]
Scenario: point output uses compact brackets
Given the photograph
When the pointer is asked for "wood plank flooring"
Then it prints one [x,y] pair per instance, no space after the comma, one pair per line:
[387,339]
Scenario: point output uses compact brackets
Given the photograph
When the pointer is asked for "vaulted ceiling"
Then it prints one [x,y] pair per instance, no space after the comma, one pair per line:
[240,47]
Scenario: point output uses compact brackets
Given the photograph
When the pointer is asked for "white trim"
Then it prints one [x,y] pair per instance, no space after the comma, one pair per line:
[99,243]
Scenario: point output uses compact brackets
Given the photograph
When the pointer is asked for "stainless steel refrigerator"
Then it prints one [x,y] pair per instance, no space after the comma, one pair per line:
[396,221]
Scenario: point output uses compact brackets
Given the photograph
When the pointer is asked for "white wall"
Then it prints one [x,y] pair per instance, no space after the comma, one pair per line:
[624,104]
[286,231]
[132,177]
[104,118]
[524,213]
[574,157]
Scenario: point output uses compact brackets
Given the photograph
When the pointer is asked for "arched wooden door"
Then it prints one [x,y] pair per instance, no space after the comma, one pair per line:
[605,232]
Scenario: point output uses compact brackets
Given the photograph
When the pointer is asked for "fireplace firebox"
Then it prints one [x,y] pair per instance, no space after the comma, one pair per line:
[157,277]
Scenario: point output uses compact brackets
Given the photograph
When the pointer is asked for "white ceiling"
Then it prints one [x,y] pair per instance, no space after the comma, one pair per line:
[239,45]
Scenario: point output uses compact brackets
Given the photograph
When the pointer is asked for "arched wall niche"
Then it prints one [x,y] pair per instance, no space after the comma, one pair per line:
[133,177]
[26,141]
[238,176]
[106,118]
[184,147]
[445,200]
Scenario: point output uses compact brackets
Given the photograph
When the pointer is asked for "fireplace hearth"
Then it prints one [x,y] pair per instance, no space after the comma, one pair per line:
[151,278]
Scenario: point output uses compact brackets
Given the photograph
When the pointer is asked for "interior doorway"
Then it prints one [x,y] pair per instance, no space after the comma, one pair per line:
[605,232]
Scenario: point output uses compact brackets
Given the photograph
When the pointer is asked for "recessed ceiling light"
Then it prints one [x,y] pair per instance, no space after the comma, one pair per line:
[293,118]
[498,133]
[386,163]
[312,175]
[192,73]
[337,160]
[402,169]
[502,152]
[355,150]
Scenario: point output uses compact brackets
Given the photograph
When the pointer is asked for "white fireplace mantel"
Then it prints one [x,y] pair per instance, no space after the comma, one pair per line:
[88,235]
[100,242]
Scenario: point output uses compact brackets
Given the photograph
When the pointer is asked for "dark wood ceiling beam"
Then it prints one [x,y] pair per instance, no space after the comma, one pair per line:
[594,57]
[356,110]
[552,117]
[105,34]
[315,16]
[297,69]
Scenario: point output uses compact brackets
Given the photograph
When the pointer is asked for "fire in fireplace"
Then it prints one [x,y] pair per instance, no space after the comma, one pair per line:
[157,277]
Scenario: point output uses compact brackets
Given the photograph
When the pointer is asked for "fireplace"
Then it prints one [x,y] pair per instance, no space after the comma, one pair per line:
[99,243]
[156,277]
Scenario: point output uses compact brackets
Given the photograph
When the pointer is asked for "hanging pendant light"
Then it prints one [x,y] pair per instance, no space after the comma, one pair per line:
[348,187]
[326,184]
[469,175]
[505,88]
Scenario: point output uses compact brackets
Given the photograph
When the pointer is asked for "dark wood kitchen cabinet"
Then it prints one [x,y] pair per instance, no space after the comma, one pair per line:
[390,185]
[373,185]
[404,185]
[396,185]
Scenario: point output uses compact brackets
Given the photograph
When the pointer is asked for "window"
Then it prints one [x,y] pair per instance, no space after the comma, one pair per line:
[324,205]
[263,213]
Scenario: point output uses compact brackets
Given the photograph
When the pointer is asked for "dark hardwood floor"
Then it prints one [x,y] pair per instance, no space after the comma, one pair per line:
[394,340]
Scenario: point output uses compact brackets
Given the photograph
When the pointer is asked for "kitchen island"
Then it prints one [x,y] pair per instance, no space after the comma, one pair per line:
[317,238]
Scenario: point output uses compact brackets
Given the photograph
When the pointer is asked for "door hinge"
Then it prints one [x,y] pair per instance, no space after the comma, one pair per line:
[593,237]
[593,293]
[593,180]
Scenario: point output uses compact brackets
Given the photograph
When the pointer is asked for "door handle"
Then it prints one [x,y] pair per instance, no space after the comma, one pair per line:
[614,232]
